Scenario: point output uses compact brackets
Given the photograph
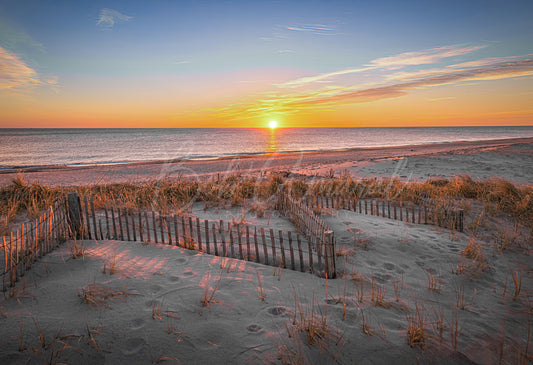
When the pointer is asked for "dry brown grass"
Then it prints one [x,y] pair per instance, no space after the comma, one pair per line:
[500,196]
[378,295]
[416,327]
[97,295]
[312,323]
[209,293]
[434,282]
[77,249]
[478,260]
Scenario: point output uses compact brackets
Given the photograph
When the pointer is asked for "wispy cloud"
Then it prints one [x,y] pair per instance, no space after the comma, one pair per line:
[424,57]
[14,72]
[429,56]
[306,80]
[500,71]
[285,51]
[486,61]
[289,102]
[443,98]
[318,29]
[108,18]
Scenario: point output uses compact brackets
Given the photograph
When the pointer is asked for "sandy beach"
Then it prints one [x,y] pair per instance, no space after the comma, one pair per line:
[464,298]
[509,158]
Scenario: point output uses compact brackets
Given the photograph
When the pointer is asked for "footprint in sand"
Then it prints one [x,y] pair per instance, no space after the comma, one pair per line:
[189,273]
[277,311]
[382,278]
[254,328]
[134,346]
[181,260]
[389,266]
[453,248]
[174,278]
[331,301]
[137,324]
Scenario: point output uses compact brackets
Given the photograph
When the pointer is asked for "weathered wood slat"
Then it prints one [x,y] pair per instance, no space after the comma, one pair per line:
[141,227]
[120,224]
[265,249]
[208,249]
[282,249]
[199,234]
[94,219]
[256,245]
[147,226]
[291,252]
[126,220]
[273,243]
[214,230]
[87,221]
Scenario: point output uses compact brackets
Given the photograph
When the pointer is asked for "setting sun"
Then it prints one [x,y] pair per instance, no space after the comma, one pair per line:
[273,124]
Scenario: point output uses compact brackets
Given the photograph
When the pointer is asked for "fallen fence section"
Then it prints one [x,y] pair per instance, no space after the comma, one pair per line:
[320,237]
[33,240]
[430,212]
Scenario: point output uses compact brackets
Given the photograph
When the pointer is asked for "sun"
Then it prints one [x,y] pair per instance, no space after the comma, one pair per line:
[273,124]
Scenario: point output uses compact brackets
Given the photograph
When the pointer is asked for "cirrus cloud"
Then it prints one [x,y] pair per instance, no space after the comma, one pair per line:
[290,102]
[429,56]
[108,18]
[14,72]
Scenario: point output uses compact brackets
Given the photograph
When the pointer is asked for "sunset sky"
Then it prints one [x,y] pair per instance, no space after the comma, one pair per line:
[180,63]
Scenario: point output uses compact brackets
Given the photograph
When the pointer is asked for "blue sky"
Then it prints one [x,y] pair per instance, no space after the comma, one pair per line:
[78,55]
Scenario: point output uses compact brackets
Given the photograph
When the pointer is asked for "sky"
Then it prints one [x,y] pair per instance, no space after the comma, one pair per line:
[182,64]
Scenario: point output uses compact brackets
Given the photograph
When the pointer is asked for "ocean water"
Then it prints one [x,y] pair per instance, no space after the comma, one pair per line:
[37,147]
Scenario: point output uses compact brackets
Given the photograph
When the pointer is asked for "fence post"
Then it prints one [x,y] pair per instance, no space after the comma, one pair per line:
[329,255]
[74,215]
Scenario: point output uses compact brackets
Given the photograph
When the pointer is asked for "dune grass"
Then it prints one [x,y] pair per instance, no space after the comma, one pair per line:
[497,197]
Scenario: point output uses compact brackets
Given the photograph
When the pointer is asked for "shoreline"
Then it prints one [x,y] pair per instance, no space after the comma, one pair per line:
[310,163]
[44,167]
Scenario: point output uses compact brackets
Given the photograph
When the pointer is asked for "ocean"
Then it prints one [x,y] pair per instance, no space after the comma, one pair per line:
[71,147]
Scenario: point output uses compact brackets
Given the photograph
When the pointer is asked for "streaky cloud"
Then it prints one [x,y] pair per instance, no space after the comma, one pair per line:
[318,29]
[108,18]
[306,80]
[486,61]
[500,71]
[325,99]
[429,56]
[14,72]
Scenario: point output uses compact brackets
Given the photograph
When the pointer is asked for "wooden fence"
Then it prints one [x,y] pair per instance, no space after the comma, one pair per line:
[320,237]
[427,213]
[33,240]
[220,238]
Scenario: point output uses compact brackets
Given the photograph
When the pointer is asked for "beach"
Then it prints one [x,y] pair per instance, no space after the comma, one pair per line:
[507,158]
[404,292]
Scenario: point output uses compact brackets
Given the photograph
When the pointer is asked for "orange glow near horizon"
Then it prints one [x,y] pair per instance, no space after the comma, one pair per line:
[455,95]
